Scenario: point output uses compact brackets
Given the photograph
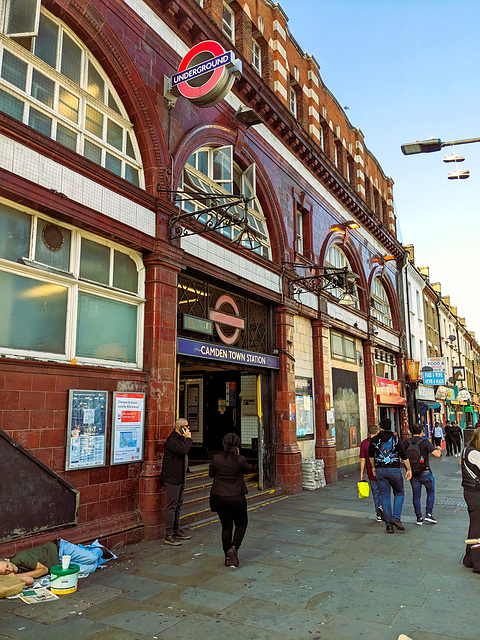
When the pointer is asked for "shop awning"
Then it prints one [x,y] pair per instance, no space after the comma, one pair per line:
[390,399]
[426,405]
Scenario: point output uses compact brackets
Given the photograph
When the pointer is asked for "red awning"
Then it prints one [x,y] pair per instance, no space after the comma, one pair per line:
[385,398]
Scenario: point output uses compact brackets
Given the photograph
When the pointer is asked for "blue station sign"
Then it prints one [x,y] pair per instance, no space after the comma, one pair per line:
[222,353]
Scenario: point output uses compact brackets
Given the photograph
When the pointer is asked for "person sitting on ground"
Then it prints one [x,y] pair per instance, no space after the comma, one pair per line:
[37,562]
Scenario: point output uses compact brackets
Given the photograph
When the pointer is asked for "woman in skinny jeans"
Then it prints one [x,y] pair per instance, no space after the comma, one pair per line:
[227,496]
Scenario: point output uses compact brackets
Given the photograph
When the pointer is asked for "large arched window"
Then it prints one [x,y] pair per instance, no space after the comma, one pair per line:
[213,170]
[53,84]
[336,258]
[379,304]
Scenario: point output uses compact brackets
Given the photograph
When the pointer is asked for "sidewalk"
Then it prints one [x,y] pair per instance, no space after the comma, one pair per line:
[317,566]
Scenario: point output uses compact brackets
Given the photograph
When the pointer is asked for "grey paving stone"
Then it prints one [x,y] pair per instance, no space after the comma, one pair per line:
[146,622]
[137,587]
[61,609]
[205,598]
[22,629]
[276,617]
[435,620]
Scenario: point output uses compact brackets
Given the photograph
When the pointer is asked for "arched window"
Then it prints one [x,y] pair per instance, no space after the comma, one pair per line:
[336,258]
[213,170]
[53,84]
[379,304]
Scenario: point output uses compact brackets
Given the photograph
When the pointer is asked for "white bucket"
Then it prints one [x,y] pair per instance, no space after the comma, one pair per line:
[64,580]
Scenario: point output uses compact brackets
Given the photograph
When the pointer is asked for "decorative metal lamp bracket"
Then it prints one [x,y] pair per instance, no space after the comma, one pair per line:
[217,218]
[324,279]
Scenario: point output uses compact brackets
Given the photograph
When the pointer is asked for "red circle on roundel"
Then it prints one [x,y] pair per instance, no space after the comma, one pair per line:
[209,46]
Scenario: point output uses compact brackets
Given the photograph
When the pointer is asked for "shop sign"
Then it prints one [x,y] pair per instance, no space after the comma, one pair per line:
[464,395]
[442,393]
[186,347]
[437,375]
[388,392]
[206,74]
[425,393]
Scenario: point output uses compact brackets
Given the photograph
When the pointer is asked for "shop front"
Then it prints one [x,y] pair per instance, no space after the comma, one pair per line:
[226,371]
[390,402]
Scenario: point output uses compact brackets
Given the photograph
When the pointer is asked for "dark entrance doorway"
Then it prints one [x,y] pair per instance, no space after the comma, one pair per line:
[222,407]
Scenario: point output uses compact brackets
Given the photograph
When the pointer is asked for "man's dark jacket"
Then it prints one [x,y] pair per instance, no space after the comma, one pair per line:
[175,461]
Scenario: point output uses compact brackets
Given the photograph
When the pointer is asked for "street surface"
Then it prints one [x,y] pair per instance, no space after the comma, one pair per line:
[314,566]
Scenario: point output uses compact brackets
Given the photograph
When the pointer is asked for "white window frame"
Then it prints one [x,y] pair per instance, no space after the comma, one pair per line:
[256,56]
[293,101]
[299,229]
[60,81]
[74,285]
[380,305]
[337,258]
[5,13]
[256,219]
[228,22]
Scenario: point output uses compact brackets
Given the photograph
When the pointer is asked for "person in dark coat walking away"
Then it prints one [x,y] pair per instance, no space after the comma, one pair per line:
[227,496]
[173,476]
[448,438]
[456,435]
[470,461]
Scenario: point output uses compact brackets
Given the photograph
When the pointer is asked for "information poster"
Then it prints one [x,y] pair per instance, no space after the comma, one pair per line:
[86,430]
[128,427]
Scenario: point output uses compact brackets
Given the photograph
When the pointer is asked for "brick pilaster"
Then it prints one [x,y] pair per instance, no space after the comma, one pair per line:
[325,448]
[160,362]
[370,382]
[289,456]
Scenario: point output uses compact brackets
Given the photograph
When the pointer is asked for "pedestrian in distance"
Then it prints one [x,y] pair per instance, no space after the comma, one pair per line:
[448,438]
[438,435]
[227,496]
[365,465]
[173,476]
[470,462]
[418,449]
[456,435]
[386,453]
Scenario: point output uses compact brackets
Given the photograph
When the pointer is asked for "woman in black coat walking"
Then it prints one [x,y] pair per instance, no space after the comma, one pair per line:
[227,496]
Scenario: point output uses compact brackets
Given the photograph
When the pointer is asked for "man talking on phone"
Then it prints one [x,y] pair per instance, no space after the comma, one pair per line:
[174,470]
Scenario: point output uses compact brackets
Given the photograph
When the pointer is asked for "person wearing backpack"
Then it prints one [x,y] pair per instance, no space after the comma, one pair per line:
[386,451]
[418,449]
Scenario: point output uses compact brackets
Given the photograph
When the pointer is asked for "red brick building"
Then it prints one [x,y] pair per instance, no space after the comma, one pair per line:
[153,246]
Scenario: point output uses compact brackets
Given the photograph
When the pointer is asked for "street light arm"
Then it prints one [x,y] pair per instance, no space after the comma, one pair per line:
[434,144]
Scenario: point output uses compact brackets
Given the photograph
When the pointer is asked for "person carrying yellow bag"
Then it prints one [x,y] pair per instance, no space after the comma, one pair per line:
[365,464]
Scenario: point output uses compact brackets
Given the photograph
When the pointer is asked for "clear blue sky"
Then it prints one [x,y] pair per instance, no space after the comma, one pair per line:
[409,70]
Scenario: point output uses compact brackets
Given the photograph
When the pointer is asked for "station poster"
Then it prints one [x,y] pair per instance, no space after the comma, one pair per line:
[128,427]
[86,429]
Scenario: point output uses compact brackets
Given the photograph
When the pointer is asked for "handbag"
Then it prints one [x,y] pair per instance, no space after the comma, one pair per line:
[443,445]
[363,489]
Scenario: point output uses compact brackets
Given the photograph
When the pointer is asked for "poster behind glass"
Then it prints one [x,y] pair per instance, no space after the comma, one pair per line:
[128,427]
[86,429]
[304,408]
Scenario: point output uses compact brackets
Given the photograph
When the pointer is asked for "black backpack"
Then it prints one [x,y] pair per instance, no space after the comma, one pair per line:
[418,463]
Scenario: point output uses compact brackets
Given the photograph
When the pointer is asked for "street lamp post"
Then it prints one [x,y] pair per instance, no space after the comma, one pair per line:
[435,144]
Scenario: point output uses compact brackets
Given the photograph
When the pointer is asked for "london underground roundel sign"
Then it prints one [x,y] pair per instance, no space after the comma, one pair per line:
[206,74]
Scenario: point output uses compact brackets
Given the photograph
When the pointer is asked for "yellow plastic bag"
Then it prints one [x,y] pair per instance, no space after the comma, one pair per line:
[363,489]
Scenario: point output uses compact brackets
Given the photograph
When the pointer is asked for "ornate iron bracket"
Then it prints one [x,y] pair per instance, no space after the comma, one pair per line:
[214,218]
[323,279]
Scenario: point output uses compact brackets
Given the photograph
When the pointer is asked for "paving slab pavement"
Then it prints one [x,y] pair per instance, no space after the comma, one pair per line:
[314,566]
